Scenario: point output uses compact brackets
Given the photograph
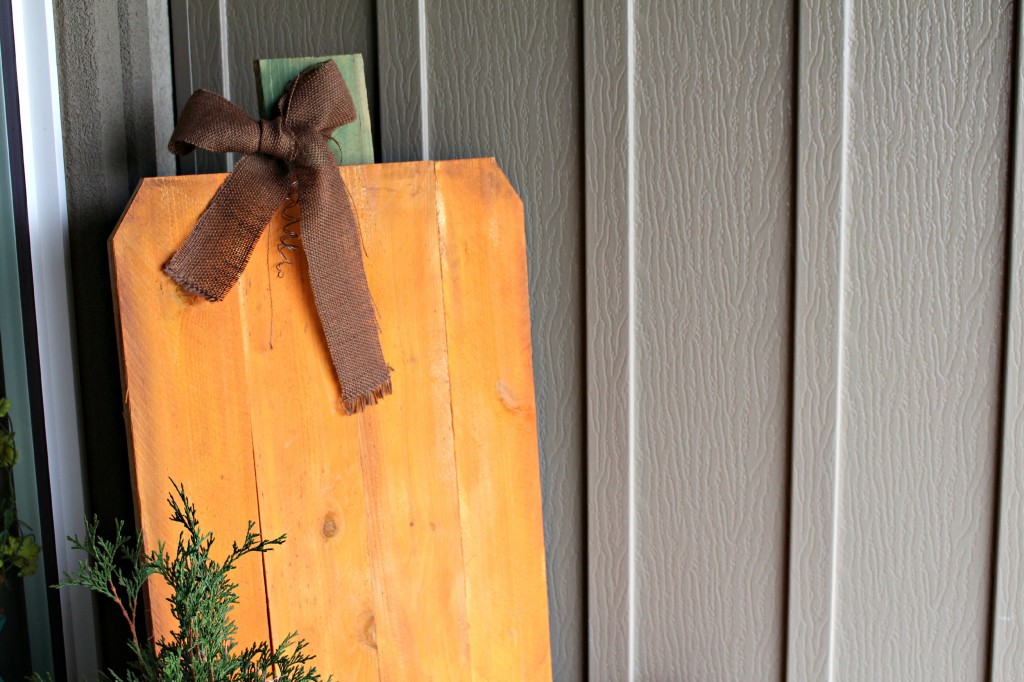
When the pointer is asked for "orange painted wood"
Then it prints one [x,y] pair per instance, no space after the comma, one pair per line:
[415,544]
[185,401]
[495,421]
[310,479]
[406,442]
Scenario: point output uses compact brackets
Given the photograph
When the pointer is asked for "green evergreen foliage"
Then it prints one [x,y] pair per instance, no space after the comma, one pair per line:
[19,552]
[203,647]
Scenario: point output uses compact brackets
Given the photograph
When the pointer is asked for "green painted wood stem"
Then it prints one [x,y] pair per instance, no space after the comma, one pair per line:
[355,140]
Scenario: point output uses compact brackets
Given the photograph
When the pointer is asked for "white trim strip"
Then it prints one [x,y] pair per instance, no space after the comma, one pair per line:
[424,88]
[844,192]
[36,59]
[631,321]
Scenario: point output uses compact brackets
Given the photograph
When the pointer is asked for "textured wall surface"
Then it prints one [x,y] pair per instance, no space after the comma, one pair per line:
[116,115]
[819,216]
[775,274]
[922,330]
[1008,628]
[712,296]
[798,225]
[609,235]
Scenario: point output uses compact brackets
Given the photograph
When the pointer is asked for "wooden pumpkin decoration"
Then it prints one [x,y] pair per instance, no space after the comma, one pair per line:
[415,541]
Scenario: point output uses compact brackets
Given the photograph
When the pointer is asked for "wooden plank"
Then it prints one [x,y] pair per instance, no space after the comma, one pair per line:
[483,252]
[505,80]
[354,142]
[406,441]
[309,477]
[184,392]
[309,457]
[377,507]
[328,532]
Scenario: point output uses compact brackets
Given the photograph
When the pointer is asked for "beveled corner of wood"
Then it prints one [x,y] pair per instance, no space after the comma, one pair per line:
[489,172]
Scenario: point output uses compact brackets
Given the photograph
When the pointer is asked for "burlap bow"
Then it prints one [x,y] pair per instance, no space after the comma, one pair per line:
[293,145]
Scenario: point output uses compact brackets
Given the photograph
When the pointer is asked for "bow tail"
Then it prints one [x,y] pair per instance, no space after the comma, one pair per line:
[217,249]
[330,238]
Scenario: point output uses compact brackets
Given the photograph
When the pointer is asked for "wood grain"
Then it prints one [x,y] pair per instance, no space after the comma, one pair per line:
[415,544]
[407,441]
[504,81]
[494,421]
[329,527]
[187,411]
[310,479]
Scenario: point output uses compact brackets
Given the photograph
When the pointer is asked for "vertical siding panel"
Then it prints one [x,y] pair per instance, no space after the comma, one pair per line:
[609,335]
[196,35]
[504,81]
[1008,612]
[713,284]
[928,120]
[816,336]
[399,65]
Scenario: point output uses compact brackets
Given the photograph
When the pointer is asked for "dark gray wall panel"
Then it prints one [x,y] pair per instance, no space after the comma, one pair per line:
[401,35]
[713,290]
[196,28]
[609,224]
[504,81]
[928,111]
[116,115]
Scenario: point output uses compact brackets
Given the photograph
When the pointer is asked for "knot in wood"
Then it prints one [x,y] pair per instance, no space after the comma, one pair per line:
[330,528]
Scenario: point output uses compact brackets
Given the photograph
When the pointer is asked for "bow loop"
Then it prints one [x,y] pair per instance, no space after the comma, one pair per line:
[303,106]
[216,251]
[211,122]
